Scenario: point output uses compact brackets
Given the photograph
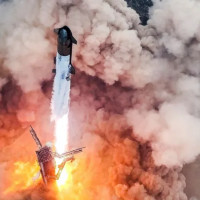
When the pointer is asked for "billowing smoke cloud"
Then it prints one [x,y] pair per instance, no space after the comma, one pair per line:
[159,62]
[134,100]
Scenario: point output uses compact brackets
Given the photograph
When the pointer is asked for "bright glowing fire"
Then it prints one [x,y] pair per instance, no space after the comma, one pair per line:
[23,173]
[61,144]
[22,176]
[63,178]
[61,133]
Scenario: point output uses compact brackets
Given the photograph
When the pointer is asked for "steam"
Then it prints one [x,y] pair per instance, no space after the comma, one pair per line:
[135,98]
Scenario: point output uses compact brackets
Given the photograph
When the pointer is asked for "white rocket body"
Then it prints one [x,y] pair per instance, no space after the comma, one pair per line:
[61,87]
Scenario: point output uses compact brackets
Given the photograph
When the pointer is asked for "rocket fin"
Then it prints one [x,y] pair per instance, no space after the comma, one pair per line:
[34,135]
[74,41]
[71,69]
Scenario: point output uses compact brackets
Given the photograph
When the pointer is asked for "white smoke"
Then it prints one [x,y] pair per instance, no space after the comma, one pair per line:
[161,57]
[24,43]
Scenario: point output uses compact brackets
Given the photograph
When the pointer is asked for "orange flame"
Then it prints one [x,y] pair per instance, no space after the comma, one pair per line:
[22,176]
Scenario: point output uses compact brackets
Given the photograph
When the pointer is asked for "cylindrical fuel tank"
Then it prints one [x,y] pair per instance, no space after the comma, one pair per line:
[64,49]
[47,163]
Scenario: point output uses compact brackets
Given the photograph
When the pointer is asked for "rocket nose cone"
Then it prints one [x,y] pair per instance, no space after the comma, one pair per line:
[63,34]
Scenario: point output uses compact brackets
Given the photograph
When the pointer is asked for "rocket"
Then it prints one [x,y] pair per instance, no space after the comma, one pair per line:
[63,58]
[63,70]
[46,159]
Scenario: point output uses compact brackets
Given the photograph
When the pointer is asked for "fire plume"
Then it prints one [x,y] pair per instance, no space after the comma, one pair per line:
[22,176]
[61,138]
